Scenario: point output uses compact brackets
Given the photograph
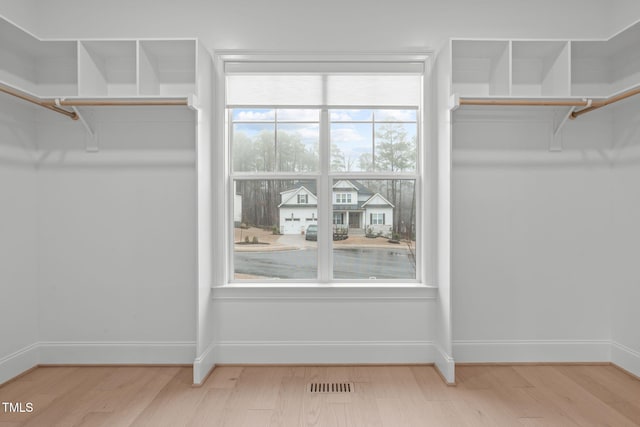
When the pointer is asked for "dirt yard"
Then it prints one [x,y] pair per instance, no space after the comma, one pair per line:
[279,242]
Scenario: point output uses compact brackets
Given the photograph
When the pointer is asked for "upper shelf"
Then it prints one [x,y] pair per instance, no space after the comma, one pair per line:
[546,68]
[96,68]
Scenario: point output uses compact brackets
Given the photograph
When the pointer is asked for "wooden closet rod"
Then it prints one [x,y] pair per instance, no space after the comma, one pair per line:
[599,104]
[589,105]
[118,102]
[30,98]
[524,102]
[56,104]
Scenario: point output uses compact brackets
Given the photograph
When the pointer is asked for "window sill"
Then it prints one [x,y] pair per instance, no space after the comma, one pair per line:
[335,291]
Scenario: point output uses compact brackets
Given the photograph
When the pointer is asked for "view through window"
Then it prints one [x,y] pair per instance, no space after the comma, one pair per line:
[325,192]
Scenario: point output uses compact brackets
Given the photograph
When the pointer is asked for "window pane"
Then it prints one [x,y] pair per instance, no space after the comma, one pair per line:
[254,147]
[298,115]
[297,146]
[275,229]
[351,147]
[253,115]
[270,140]
[351,115]
[374,235]
[396,115]
[395,147]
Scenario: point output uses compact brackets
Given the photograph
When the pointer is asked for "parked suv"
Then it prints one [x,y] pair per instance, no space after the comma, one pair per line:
[312,232]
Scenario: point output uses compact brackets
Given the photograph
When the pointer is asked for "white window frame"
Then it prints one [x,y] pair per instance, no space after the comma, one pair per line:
[377,219]
[424,185]
[343,198]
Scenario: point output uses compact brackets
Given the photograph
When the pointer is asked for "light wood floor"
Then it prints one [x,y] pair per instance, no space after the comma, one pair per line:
[277,396]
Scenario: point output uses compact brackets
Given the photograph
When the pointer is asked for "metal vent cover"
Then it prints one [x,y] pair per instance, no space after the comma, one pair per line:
[338,387]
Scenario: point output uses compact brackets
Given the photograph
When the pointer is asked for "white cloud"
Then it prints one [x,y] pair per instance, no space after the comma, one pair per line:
[299,115]
[347,134]
[397,115]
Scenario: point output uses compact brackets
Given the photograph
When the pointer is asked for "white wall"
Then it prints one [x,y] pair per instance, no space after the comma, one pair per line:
[625,289]
[117,237]
[21,13]
[623,14]
[128,277]
[532,239]
[324,325]
[18,247]
[327,25]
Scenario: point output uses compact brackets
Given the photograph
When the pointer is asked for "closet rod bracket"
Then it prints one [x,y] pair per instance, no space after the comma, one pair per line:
[192,102]
[555,144]
[91,138]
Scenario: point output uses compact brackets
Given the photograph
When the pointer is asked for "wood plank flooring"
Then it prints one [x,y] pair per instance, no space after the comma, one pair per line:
[278,396]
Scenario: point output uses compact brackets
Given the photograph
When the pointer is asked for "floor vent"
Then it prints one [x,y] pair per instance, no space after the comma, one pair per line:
[331,388]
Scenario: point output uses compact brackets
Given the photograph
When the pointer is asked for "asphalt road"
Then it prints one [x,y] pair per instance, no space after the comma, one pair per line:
[349,263]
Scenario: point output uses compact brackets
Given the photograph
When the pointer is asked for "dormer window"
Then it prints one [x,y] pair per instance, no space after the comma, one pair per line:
[343,198]
[303,199]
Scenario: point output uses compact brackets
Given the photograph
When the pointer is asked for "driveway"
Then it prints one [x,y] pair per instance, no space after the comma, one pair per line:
[349,263]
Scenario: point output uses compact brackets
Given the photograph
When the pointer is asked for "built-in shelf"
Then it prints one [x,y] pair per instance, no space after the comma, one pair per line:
[45,68]
[107,68]
[540,68]
[601,68]
[167,67]
[96,68]
[480,68]
[546,68]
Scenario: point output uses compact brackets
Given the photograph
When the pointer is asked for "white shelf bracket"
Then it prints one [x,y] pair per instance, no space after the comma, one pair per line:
[454,102]
[555,144]
[192,102]
[91,138]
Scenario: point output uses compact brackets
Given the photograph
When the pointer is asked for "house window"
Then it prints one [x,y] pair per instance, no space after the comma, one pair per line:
[329,163]
[377,219]
[343,198]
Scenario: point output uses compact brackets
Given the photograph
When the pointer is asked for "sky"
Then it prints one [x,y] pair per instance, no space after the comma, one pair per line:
[352,131]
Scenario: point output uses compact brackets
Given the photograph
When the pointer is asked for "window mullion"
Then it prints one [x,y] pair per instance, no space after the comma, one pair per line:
[325,269]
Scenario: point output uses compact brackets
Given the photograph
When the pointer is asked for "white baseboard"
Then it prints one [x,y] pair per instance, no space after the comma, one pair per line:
[324,352]
[204,364]
[518,351]
[18,362]
[445,364]
[626,358]
[87,353]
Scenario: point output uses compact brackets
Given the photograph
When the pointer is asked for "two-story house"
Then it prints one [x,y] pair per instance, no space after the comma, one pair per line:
[354,206]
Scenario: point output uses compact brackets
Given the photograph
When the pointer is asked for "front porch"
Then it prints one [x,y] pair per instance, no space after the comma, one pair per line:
[351,218]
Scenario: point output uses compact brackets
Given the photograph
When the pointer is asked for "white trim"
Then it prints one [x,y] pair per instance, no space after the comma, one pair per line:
[339,181]
[625,358]
[382,197]
[312,292]
[18,362]
[296,192]
[445,364]
[203,364]
[71,352]
[540,351]
[324,352]
[305,66]
[60,159]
